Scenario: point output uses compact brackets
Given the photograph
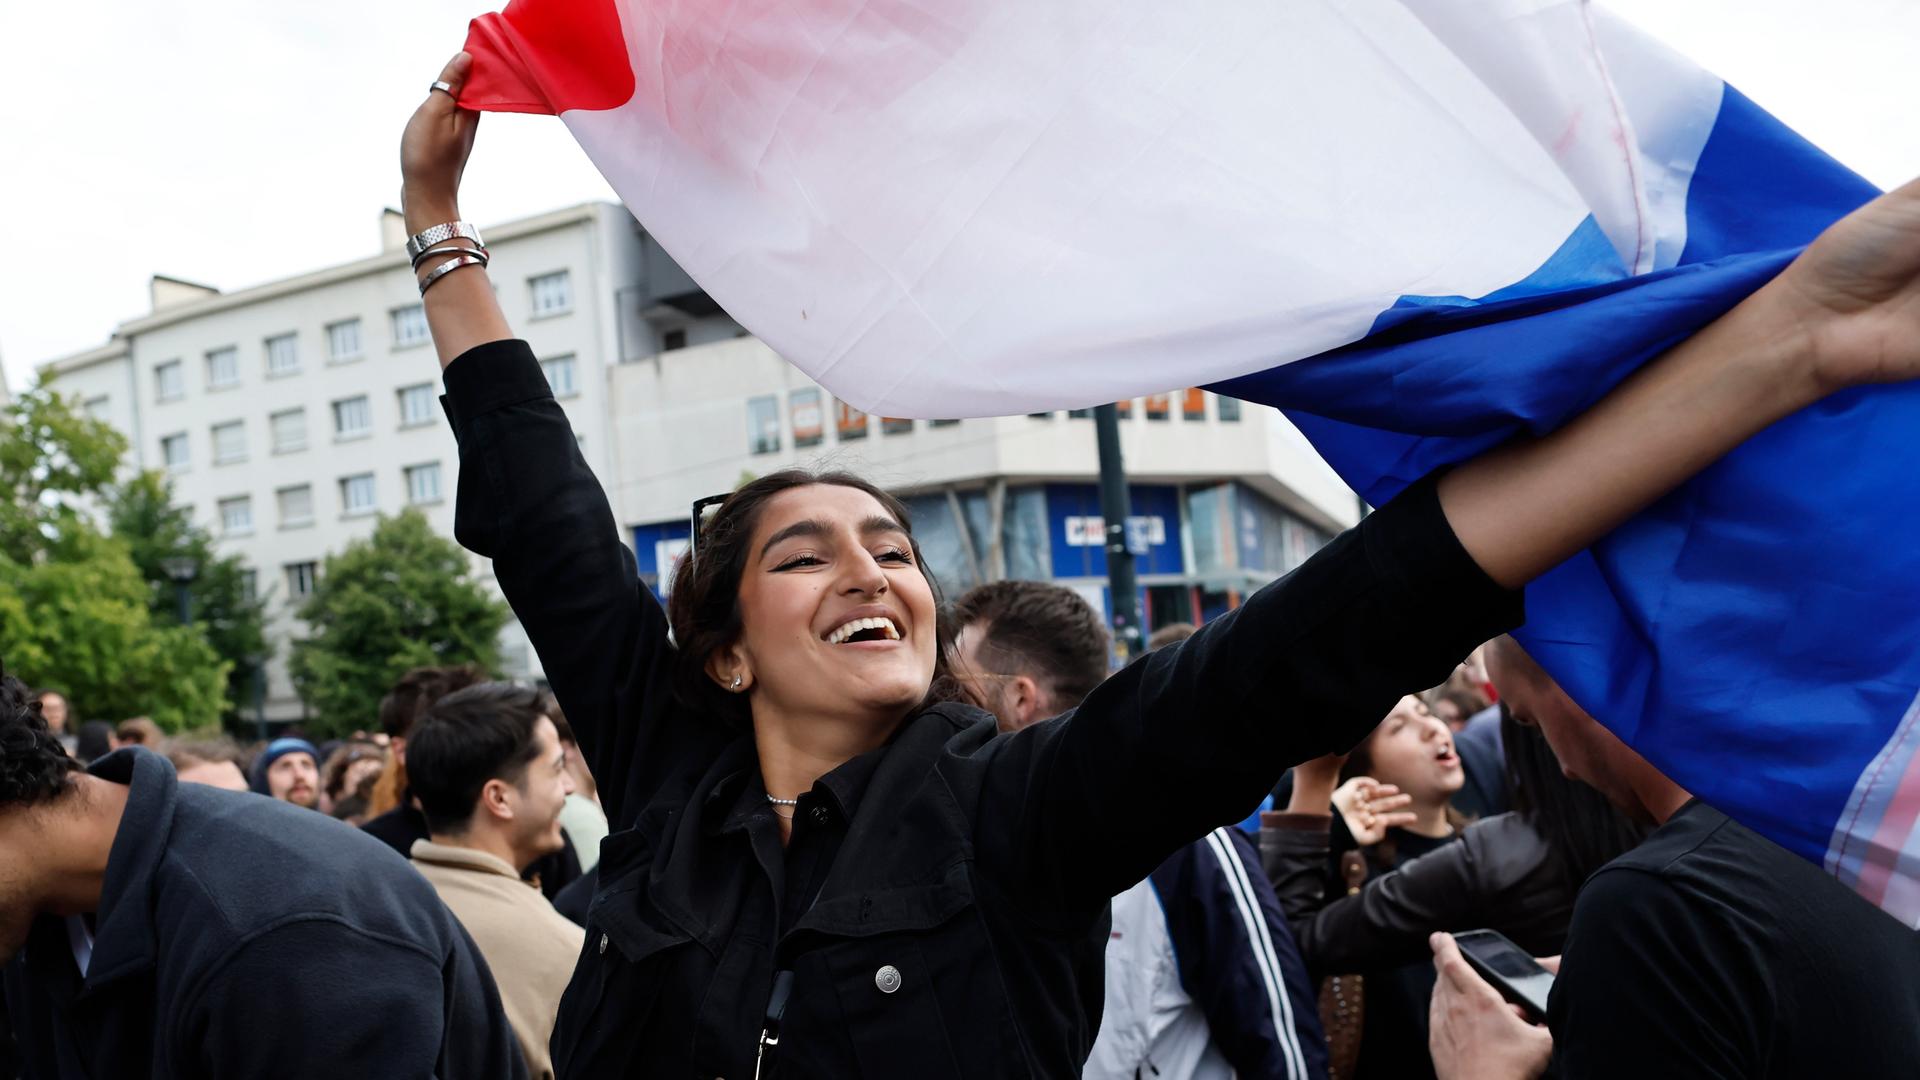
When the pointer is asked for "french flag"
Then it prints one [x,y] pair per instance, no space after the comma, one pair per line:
[1419,227]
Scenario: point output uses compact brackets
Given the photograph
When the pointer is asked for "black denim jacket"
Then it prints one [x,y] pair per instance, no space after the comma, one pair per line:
[961,924]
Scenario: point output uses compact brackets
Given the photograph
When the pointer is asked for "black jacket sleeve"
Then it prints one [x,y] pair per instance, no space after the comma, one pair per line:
[317,1000]
[1193,736]
[528,501]
[1499,876]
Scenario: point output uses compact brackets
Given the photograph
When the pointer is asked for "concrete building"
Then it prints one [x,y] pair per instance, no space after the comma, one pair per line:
[290,415]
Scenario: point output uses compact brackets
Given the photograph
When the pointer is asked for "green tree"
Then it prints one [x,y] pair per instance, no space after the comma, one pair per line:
[404,597]
[143,516]
[53,460]
[73,607]
[80,622]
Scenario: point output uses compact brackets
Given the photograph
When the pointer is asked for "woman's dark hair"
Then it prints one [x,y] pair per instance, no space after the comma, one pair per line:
[465,739]
[1580,826]
[34,767]
[704,604]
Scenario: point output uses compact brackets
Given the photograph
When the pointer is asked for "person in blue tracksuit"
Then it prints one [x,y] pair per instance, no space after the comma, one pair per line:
[1203,981]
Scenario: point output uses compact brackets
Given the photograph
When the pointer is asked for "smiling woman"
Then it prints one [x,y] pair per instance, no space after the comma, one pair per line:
[824,865]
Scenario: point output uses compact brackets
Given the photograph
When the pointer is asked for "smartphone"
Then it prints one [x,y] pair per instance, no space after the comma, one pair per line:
[1511,971]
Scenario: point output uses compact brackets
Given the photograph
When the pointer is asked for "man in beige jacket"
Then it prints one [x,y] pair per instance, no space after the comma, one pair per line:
[491,776]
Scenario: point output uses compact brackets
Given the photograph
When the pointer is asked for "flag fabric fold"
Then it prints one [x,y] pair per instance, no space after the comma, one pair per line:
[1418,227]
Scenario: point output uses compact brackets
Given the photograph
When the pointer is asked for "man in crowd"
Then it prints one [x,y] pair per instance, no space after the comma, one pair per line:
[1708,951]
[491,776]
[1202,977]
[403,823]
[217,935]
[53,707]
[289,770]
[214,762]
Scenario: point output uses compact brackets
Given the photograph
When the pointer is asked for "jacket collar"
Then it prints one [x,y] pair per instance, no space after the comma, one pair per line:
[124,940]
[462,858]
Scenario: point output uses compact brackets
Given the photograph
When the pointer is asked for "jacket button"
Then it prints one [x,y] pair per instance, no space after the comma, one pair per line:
[887,979]
[603,944]
[822,815]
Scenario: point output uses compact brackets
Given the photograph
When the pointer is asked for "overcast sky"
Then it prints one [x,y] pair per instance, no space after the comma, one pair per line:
[234,141]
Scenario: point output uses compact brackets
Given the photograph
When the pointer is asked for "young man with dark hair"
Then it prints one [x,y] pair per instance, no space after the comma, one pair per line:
[1030,649]
[218,935]
[1202,978]
[402,824]
[1707,951]
[491,777]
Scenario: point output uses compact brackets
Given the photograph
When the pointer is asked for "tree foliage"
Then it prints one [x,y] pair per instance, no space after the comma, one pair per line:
[74,611]
[404,597]
[143,516]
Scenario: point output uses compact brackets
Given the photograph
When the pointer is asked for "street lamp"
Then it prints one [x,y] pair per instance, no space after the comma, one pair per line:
[182,569]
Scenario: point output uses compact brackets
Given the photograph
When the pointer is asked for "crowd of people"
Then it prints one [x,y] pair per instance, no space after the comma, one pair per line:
[806,819]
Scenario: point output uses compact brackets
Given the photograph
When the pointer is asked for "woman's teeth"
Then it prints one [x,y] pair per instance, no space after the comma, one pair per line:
[884,625]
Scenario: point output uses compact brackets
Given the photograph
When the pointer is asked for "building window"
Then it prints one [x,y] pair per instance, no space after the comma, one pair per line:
[296,505]
[250,585]
[356,494]
[1079,414]
[416,405]
[289,430]
[673,339]
[1041,415]
[410,326]
[1229,409]
[895,425]
[173,451]
[763,424]
[343,340]
[560,375]
[223,368]
[352,417]
[809,421]
[236,515]
[1123,409]
[1159,406]
[169,381]
[283,355]
[96,407]
[552,293]
[229,442]
[941,423]
[300,579]
[423,483]
[850,422]
[1193,404]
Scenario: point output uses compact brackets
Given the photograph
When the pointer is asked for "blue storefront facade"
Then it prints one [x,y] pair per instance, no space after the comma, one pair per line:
[1199,548]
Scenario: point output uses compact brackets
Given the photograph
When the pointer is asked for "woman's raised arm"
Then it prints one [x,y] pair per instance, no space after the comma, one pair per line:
[528,501]
[1845,313]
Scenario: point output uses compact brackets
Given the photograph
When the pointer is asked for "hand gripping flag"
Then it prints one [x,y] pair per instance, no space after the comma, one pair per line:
[1419,227]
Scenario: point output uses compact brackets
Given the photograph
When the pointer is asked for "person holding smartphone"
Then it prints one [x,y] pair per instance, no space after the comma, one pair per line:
[1707,951]
[824,863]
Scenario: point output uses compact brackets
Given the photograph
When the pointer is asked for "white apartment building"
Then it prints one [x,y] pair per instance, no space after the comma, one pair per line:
[291,414]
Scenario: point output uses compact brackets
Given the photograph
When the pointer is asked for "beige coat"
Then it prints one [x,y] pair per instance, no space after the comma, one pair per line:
[530,947]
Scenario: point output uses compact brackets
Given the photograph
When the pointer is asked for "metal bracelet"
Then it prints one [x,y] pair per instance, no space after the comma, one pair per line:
[440,234]
[450,249]
[448,267]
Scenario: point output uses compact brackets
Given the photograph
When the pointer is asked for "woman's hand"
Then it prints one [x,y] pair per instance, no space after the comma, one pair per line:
[1855,293]
[434,150]
[1370,808]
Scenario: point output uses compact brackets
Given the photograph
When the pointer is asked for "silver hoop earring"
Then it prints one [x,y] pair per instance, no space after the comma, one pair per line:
[736,682]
